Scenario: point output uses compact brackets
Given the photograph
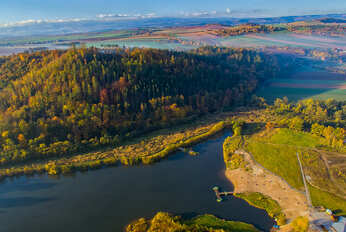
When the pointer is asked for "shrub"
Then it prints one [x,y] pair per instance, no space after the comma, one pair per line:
[66,169]
[300,224]
[52,169]
[110,161]
[296,123]
[237,161]
[230,145]
[140,225]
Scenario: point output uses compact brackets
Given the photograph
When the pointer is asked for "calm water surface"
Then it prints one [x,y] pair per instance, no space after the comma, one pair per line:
[106,200]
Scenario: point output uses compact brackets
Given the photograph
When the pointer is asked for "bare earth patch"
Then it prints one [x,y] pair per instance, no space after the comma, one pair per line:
[258,179]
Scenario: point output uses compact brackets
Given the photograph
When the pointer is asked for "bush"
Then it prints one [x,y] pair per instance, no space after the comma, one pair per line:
[140,225]
[66,169]
[129,161]
[230,145]
[52,169]
[237,127]
[80,166]
[237,161]
[300,224]
[110,161]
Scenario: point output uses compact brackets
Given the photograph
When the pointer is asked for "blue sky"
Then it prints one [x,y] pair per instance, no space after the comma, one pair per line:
[19,10]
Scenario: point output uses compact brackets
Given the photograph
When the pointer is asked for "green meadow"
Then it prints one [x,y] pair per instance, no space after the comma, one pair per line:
[270,93]
[276,151]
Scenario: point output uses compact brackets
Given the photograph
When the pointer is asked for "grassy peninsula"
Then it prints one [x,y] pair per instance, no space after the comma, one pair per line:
[203,223]
[268,151]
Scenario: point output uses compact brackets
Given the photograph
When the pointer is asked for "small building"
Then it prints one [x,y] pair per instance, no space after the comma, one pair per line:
[339,226]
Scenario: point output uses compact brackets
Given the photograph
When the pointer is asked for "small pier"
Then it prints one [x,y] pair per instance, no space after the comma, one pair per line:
[220,194]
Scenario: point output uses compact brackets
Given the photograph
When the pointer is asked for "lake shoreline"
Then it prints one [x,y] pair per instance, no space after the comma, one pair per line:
[134,150]
[157,150]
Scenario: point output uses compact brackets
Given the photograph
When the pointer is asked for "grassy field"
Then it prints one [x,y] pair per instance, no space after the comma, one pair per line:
[276,149]
[337,167]
[328,200]
[307,82]
[283,39]
[294,94]
[289,137]
[211,221]
[316,170]
[279,159]
[66,38]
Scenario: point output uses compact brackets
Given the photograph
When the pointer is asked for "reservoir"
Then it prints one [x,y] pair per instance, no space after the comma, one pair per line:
[106,200]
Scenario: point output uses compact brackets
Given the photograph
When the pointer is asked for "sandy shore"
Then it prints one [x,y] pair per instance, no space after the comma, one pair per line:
[257,179]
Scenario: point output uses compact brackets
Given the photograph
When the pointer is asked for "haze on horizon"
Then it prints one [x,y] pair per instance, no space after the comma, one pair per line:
[12,11]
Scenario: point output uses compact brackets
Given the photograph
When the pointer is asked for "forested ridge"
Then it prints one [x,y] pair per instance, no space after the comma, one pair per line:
[58,102]
[248,28]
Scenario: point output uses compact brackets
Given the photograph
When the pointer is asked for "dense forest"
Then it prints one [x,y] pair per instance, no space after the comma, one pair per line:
[59,102]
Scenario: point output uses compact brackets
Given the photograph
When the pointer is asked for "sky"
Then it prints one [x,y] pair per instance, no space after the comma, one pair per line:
[22,10]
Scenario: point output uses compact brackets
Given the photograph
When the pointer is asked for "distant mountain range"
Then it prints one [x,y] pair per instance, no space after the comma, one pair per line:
[41,28]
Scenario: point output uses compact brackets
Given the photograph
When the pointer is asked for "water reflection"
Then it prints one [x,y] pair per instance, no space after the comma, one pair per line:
[22,201]
[27,187]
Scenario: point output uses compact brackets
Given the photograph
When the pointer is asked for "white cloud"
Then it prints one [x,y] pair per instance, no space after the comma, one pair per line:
[114,16]
[100,17]
[228,11]
[197,14]
[39,21]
